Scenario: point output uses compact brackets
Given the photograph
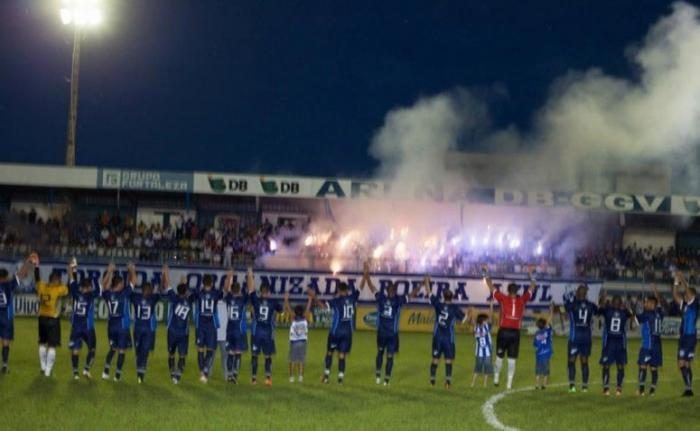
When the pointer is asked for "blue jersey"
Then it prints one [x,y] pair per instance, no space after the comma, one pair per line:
[264,313]
[580,318]
[482,336]
[119,307]
[650,327]
[344,312]
[689,313]
[446,315]
[615,325]
[543,343]
[389,310]
[7,304]
[144,310]
[206,312]
[83,307]
[235,308]
[179,312]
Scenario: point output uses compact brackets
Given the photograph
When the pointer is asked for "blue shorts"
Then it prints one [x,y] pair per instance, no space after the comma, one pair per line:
[263,342]
[236,341]
[614,352]
[7,329]
[144,339]
[686,347]
[178,342]
[443,346]
[119,339]
[651,357]
[579,347]
[542,367]
[206,337]
[341,342]
[388,342]
[483,365]
[80,335]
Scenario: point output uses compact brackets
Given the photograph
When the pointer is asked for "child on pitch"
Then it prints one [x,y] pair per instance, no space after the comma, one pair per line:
[483,365]
[543,349]
[298,336]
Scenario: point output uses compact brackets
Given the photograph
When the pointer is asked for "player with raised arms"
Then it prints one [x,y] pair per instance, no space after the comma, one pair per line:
[49,296]
[82,331]
[117,295]
[342,326]
[447,314]
[180,308]
[389,305]
[512,311]
[8,285]
[615,315]
[144,300]
[688,334]
[206,321]
[237,327]
[581,312]
[650,352]
[265,310]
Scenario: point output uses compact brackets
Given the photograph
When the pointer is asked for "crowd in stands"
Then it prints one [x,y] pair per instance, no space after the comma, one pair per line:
[239,240]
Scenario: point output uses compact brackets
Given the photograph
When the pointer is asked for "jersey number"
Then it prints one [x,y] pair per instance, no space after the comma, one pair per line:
[3,299]
[144,312]
[80,308]
[348,311]
[442,319]
[207,306]
[233,313]
[181,311]
[582,316]
[388,310]
[263,313]
[113,307]
[615,324]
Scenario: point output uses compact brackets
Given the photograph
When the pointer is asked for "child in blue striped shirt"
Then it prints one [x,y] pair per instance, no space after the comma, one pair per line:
[484,346]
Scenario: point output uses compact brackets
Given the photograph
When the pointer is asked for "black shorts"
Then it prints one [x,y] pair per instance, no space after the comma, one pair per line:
[50,331]
[508,341]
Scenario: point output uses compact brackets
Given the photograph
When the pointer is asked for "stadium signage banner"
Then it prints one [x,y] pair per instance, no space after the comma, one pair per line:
[251,185]
[129,179]
[470,291]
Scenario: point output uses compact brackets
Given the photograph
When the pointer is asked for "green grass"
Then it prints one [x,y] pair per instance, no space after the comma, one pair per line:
[29,401]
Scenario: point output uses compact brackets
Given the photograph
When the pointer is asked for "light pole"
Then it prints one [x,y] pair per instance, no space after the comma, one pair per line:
[80,14]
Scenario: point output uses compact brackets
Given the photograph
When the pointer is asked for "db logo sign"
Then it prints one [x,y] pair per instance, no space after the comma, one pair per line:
[222,185]
[273,187]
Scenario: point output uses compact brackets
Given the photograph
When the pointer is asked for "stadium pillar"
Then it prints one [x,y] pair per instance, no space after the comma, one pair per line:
[73,110]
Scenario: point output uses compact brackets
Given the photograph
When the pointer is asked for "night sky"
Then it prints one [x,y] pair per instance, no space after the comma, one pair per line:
[289,86]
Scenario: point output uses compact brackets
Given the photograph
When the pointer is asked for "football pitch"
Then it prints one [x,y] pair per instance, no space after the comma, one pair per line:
[29,401]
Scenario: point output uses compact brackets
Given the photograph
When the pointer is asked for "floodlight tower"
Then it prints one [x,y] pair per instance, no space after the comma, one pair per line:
[81,14]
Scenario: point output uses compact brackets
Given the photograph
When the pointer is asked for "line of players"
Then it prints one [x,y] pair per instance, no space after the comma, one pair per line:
[201,307]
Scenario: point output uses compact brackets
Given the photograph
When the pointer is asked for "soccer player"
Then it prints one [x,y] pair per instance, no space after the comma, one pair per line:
[686,344]
[342,326]
[581,312]
[542,342]
[49,295]
[262,337]
[614,350]
[179,310]
[144,300]
[484,344]
[83,295]
[508,337]
[8,285]
[446,315]
[206,320]
[389,309]
[237,327]
[650,353]
[117,295]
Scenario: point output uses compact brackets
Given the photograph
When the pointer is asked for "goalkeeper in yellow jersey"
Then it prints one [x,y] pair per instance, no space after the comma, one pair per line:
[49,295]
